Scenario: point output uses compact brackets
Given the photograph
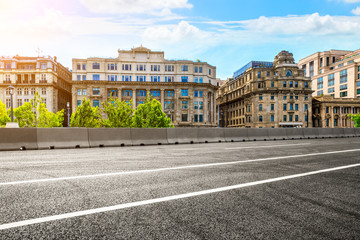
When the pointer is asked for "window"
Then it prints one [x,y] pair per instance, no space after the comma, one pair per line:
[184,117]
[196,69]
[357,91]
[296,84]
[43,91]
[320,83]
[321,92]
[184,92]
[306,85]
[96,103]
[296,96]
[284,84]
[78,77]
[296,118]
[169,105]
[260,97]
[341,64]
[32,91]
[26,91]
[296,107]
[200,118]
[331,90]
[311,68]
[343,87]
[291,96]
[83,77]
[78,102]
[78,66]
[127,93]
[169,93]
[272,84]
[260,118]
[306,97]
[290,118]
[96,65]
[79,92]
[209,71]
[169,68]
[272,97]
[19,102]
[141,93]
[19,91]
[200,69]
[141,67]
[196,118]
[272,118]
[196,105]
[272,107]
[201,80]
[141,78]
[288,73]
[139,102]
[169,78]
[126,67]
[284,106]
[155,78]
[184,78]
[96,91]
[155,93]
[43,65]
[96,77]
[259,74]
[184,104]
[284,96]
[84,66]
[201,105]
[343,94]
[343,76]
[43,77]
[291,106]
[126,78]
[184,68]
[112,78]
[284,118]
[112,66]
[200,93]
[196,93]
[260,107]
[84,92]
[155,68]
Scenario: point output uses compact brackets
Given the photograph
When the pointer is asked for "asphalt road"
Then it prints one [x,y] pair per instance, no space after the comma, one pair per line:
[305,189]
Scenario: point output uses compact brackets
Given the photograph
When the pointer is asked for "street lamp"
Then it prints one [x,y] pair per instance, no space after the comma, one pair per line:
[68,113]
[11,89]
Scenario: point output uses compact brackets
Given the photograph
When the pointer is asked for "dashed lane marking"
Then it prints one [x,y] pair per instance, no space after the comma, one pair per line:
[268,146]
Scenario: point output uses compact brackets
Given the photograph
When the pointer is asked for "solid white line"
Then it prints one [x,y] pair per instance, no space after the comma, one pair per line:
[170,168]
[268,146]
[163,199]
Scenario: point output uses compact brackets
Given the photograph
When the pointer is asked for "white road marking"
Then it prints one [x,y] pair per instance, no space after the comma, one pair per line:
[268,146]
[164,199]
[171,168]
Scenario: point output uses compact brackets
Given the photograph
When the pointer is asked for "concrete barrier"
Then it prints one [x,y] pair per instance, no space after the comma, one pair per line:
[357,132]
[310,132]
[18,139]
[258,134]
[295,133]
[277,134]
[349,132]
[236,134]
[109,137]
[211,135]
[148,136]
[53,138]
[337,133]
[325,132]
[182,135]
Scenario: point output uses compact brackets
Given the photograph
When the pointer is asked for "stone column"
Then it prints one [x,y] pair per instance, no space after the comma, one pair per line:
[119,93]
[332,117]
[134,98]
[206,107]
[162,94]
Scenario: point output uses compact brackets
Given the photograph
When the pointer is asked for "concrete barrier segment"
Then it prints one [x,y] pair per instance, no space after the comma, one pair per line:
[258,134]
[54,138]
[182,135]
[148,136]
[277,134]
[236,134]
[310,132]
[109,137]
[211,135]
[295,133]
[18,139]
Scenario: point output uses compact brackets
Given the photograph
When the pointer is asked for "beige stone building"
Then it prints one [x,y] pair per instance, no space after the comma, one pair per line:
[35,74]
[266,94]
[335,73]
[186,89]
[330,112]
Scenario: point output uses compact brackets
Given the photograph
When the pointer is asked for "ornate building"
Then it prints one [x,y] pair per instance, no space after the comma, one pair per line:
[35,74]
[330,112]
[334,72]
[266,94]
[185,89]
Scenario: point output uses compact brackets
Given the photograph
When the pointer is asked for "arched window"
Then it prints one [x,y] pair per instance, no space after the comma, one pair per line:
[259,74]
[288,73]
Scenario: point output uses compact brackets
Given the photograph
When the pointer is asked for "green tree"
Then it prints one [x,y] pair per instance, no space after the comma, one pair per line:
[119,114]
[35,114]
[356,119]
[4,118]
[150,115]
[86,116]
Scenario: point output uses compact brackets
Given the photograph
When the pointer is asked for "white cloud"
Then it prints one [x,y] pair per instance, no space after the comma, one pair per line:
[135,6]
[356,11]
[351,1]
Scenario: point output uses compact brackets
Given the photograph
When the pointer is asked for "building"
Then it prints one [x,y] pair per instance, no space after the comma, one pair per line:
[186,89]
[334,72]
[35,74]
[330,112]
[266,94]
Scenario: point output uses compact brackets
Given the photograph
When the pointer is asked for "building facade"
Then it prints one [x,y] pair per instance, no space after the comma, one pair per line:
[330,112]
[186,89]
[335,73]
[266,94]
[35,74]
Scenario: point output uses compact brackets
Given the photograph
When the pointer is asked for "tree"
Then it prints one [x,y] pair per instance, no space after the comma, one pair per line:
[356,119]
[86,116]
[150,115]
[4,118]
[35,114]
[119,114]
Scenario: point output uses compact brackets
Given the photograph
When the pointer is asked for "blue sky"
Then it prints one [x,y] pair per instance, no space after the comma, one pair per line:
[226,34]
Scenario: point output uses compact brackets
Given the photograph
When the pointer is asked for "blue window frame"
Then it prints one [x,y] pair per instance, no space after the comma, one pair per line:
[127,93]
[200,118]
[141,93]
[184,78]
[184,92]
[196,105]
[201,80]
[200,93]
[155,93]
[96,66]
[112,78]
[126,78]
[96,77]
[96,103]
[155,78]
[141,78]
[272,118]
[201,105]
[196,93]
[196,80]
[169,93]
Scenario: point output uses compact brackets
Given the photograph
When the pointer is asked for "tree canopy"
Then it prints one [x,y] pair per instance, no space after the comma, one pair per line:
[118,114]
[356,119]
[4,118]
[86,116]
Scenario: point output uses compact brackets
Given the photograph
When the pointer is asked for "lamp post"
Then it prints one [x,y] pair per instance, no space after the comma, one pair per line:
[68,113]
[11,89]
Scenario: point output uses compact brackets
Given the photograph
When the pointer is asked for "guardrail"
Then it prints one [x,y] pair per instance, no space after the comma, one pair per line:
[56,138]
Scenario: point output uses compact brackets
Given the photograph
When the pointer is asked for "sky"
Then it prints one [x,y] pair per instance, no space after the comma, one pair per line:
[226,34]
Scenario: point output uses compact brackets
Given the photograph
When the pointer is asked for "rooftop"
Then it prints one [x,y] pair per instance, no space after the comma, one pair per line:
[253,64]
